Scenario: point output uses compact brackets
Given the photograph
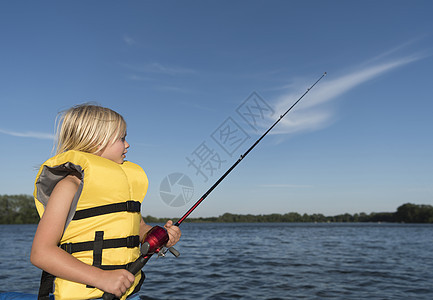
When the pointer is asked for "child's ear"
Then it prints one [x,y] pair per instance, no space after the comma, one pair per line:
[99,151]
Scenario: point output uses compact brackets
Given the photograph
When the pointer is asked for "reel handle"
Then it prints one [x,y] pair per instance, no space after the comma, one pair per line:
[174,251]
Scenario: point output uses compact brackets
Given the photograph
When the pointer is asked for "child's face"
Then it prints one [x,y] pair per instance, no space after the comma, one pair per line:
[116,151]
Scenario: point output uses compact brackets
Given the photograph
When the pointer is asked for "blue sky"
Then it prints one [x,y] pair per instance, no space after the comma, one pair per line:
[181,72]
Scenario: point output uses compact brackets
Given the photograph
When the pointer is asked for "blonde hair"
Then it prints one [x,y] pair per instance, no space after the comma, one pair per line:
[88,128]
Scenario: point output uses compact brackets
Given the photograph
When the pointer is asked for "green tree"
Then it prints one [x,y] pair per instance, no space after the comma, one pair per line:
[412,213]
[18,209]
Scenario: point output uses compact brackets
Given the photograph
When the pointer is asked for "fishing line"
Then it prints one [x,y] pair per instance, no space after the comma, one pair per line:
[242,157]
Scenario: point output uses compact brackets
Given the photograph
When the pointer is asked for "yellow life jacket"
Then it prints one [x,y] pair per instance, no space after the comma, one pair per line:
[103,225]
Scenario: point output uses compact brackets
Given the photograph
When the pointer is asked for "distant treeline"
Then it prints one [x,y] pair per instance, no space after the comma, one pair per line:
[20,209]
[406,213]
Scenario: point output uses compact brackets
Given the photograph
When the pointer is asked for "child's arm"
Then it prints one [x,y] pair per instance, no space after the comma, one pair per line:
[144,228]
[46,254]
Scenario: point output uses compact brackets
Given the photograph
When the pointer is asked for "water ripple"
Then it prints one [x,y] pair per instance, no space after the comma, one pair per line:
[270,261]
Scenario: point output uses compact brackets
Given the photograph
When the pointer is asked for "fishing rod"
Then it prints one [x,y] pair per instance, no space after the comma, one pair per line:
[242,157]
[157,237]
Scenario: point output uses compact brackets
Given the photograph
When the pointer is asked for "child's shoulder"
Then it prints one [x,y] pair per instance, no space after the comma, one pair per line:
[72,179]
[69,182]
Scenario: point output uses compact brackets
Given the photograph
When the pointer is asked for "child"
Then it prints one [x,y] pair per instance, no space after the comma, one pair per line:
[89,200]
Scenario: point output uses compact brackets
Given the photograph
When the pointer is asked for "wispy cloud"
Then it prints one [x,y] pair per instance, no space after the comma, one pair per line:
[158,68]
[138,78]
[129,40]
[29,134]
[161,77]
[285,186]
[315,113]
[174,89]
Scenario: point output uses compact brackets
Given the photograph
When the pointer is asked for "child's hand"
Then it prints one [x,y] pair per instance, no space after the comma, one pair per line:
[173,233]
[116,282]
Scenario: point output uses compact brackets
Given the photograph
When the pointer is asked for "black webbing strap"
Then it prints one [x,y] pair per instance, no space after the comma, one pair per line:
[129,242]
[46,286]
[97,251]
[129,206]
[97,248]
[140,283]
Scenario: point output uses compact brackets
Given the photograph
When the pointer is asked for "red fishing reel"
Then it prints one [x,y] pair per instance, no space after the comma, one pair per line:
[155,242]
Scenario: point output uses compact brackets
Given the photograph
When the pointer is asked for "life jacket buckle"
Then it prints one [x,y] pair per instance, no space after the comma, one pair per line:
[132,241]
[67,247]
[133,206]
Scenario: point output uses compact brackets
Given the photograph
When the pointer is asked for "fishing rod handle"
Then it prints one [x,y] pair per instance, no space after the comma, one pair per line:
[109,296]
[137,265]
[134,268]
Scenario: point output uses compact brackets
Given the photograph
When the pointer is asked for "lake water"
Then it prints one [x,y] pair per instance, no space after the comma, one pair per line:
[267,261]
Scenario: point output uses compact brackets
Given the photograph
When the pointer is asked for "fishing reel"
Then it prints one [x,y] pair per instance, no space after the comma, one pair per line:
[155,241]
